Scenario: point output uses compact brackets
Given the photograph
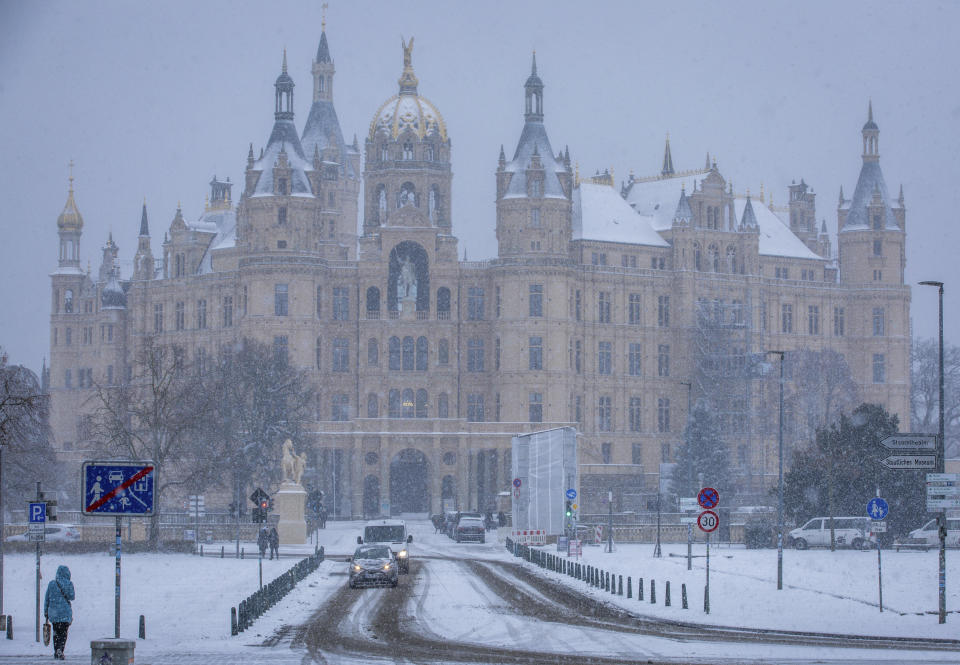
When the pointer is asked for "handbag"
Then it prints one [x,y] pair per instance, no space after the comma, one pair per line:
[46,633]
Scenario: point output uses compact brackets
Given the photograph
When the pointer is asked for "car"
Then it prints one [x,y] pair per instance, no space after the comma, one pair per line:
[373,565]
[452,524]
[470,528]
[929,536]
[66,533]
[851,532]
[393,534]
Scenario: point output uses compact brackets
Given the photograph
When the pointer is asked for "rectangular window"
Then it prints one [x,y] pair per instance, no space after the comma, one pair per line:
[201,314]
[635,415]
[606,452]
[578,356]
[663,414]
[228,311]
[535,218]
[475,303]
[598,258]
[475,354]
[603,307]
[604,414]
[878,321]
[179,316]
[340,407]
[663,311]
[665,452]
[341,354]
[68,336]
[663,360]
[281,215]
[636,453]
[535,407]
[341,303]
[578,305]
[604,358]
[878,248]
[68,378]
[280,300]
[634,309]
[838,321]
[109,375]
[443,352]
[578,410]
[536,352]
[496,415]
[786,318]
[536,300]
[879,368]
[498,301]
[475,408]
[634,357]
[813,320]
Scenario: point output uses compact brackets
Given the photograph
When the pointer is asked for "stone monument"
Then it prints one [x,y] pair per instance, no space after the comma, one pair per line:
[291,498]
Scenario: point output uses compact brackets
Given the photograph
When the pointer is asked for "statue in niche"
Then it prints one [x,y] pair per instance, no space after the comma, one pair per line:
[382,204]
[407,196]
[407,281]
[432,205]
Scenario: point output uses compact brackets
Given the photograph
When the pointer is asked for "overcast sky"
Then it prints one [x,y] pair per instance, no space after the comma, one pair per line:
[153,99]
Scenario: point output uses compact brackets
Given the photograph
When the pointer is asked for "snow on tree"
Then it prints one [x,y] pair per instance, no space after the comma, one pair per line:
[703,459]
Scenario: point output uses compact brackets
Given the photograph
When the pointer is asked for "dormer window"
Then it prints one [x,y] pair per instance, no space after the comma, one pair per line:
[282,186]
[876,222]
[535,188]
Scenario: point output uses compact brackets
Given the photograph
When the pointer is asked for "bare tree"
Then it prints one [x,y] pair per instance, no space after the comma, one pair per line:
[820,390]
[925,391]
[160,415]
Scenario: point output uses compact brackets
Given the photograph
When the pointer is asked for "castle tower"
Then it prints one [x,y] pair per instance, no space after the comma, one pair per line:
[803,214]
[70,228]
[534,189]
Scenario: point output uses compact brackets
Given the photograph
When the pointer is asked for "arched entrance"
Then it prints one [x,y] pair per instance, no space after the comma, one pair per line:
[408,483]
[448,493]
[371,496]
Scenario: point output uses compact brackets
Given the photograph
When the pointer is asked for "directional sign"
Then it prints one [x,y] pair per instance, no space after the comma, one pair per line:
[910,442]
[877,508]
[943,490]
[687,503]
[118,488]
[708,521]
[517,482]
[910,462]
[943,477]
[571,494]
[708,498]
[933,505]
[38,512]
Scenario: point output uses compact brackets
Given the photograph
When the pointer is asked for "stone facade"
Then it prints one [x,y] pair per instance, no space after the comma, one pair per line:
[427,364]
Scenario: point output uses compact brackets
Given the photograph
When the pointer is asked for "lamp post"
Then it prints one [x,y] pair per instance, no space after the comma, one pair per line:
[941,454]
[780,479]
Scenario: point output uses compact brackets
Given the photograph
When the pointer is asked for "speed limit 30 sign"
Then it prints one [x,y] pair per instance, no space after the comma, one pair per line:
[708,521]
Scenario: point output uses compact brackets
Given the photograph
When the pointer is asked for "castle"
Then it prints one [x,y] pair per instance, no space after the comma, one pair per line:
[607,309]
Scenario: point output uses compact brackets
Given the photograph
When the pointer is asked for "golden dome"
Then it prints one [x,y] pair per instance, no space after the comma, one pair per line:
[408,111]
[70,218]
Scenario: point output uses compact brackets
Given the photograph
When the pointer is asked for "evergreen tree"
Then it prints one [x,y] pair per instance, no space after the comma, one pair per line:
[703,454]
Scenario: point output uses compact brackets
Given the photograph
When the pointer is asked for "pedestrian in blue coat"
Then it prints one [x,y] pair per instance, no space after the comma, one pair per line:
[57,609]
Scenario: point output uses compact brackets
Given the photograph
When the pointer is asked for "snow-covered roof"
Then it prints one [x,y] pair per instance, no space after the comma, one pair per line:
[600,213]
[870,181]
[283,138]
[658,198]
[776,238]
[225,223]
[322,126]
[533,138]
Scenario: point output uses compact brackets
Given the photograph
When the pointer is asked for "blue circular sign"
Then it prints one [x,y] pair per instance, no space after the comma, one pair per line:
[571,494]
[877,508]
[517,482]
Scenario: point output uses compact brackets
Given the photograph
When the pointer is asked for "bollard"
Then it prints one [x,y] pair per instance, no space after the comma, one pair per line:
[639,588]
[606,581]
[683,596]
[233,621]
[666,595]
[653,592]
[143,628]
[242,616]
[613,585]
[201,549]
[321,553]
[706,599]
[620,586]
[9,627]
[241,552]
[629,587]
[221,551]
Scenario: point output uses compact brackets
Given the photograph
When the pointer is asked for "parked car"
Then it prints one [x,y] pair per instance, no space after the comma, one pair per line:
[851,532]
[393,534]
[373,565]
[57,533]
[928,536]
[452,532]
[470,528]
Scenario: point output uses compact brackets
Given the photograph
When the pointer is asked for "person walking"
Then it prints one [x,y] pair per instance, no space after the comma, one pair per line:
[274,542]
[263,540]
[57,609]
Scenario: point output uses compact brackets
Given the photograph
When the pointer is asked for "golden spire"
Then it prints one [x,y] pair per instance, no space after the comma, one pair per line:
[323,20]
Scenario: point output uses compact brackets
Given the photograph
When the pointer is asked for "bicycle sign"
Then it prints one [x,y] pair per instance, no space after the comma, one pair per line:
[708,498]
[708,521]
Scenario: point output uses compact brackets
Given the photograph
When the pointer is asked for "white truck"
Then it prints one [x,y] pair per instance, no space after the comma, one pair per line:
[392,533]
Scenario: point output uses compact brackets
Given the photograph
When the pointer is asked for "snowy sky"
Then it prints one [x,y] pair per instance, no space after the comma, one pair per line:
[152,99]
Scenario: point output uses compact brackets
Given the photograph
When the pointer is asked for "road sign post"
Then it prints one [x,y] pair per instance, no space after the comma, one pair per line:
[877,509]
[707,521]
[118,488]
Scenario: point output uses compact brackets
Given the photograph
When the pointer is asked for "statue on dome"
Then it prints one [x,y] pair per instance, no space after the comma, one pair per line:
[407,52]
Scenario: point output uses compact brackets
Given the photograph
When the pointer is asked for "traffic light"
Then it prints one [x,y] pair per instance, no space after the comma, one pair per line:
[569,509]
[258,515]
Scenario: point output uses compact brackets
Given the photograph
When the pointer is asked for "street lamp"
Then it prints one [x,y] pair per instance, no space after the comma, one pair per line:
[780,480]
[941,455]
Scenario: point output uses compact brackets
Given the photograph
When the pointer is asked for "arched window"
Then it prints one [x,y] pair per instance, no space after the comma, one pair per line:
[714,255]
[381,216]
[443,406]
[384,153]
[421,408]
[408,353]
[697,265]
[407,196]
[373,302]
[68,301]
[428,153]
[394,403]
[407,403]
[422,353]
[319,301]
[443,303]
[373,406]
[433,204]
[731,259]
[443,352]
[408,151]
[373,352]
[394,353]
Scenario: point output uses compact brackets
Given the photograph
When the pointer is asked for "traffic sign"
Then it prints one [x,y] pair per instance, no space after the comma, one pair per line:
[943,477]
[687,503]
[708,521]
[910,442]
[878,527]
[118,488]
[909,462]
[877,508]
[38,512]
[688,519]
[933,505]
[37,532]
[708,498]
[575,506]
[258,495]
[517,482]
[943,490]
[571,494]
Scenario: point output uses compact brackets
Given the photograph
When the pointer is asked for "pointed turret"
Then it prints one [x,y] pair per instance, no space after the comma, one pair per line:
[748,222]
[667,169]
[109,258]
[144,226]
[684,213]
[870,206]
[871,136]
[143,263]
[534,94]
[322,130]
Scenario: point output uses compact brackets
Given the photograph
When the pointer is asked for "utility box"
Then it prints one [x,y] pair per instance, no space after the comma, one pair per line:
[110,651]
[544,468]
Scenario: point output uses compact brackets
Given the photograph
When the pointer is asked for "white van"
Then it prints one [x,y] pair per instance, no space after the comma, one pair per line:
[392,533]
[851,532]
[927,534]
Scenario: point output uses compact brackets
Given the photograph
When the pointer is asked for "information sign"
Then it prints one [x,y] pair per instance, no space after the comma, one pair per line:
[688,503]
[878,527]
[942,490]
[708,498]
[910,442]
[571,494]
[933,505]
[118,488]
[910,462]
[943,477]
[708,521]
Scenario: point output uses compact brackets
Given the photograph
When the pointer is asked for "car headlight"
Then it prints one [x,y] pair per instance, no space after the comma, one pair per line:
[402,554]
[386,566]
[357,568]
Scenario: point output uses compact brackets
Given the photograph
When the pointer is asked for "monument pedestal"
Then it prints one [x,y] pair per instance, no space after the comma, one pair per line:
[289,503]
